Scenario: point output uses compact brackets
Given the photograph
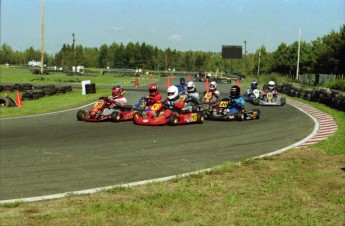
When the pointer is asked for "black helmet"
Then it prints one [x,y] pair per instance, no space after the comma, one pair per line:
[254,84]
[235,91]
[182,81]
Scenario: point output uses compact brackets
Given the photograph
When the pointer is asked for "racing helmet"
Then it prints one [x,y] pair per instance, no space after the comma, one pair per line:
[190,87]
[271,85]
[213,85]
[235,91]
[254,84]
[117,91]
[182,81]
[153,89]
[172,92]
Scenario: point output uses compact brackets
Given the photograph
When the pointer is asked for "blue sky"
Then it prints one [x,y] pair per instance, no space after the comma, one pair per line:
[178,24]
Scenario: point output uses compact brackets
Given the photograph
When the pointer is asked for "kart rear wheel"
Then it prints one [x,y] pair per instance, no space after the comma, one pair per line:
[115,116]
[256,112]
[81,115]
[200,118]
[173,120]
[282,101]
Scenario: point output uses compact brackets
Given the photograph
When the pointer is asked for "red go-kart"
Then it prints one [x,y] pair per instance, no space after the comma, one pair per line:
[102,111]
[167,116]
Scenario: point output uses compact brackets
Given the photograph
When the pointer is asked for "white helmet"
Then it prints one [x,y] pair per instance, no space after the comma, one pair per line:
[190,87]
[271,84]
[213,85]
[172,92]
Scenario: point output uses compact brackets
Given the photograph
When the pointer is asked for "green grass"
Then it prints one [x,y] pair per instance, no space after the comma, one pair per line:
[23,75]
[52,103]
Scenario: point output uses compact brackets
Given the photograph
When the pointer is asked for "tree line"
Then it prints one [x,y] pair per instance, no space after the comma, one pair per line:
[324,55]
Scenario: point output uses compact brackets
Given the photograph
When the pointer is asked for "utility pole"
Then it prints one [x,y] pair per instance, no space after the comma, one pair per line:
[259,62]
[245,53]
[42,39]
[73,47]
[298,53]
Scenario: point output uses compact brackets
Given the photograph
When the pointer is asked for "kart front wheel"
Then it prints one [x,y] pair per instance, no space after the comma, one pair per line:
[115,116]
[200,118]
[256,101]
[239,116]
[282,101]
[173,120]
[81,115]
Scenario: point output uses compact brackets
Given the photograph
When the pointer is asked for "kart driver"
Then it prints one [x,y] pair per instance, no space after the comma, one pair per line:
[117,98]
[192,93]
[182,87]
[271,88]
[213,90]
[253,86]
[173,102]
[236,101]
[154,95]
[151,99]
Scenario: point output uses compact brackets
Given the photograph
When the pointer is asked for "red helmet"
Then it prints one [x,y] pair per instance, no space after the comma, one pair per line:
[117,91]
[153,89]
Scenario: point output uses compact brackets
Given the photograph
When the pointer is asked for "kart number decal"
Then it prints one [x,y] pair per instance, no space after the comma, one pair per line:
[156,107]
[269,96]
[143,104]
[256,92]
[98,105]
[208,96]
[223,104]
[194,117]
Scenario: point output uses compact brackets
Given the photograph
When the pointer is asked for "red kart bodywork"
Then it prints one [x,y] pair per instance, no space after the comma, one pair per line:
[166,116]
[95,114]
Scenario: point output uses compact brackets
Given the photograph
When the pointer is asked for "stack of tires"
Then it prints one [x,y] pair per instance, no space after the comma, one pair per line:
[90,88]
[30,92]
[329,97]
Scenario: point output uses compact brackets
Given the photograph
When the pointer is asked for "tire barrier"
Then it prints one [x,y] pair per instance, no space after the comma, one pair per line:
[34,92]
[7,102]
[90,88]
[330,97]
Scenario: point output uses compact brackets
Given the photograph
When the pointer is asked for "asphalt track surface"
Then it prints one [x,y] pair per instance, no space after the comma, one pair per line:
[55,153]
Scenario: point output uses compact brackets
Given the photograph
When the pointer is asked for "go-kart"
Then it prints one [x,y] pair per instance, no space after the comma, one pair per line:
[208,103]
[253,97]
[167,116]
[102,111]
[268,99]
[222,113]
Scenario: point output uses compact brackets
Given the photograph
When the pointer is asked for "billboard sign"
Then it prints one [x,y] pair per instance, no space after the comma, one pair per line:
[231,52]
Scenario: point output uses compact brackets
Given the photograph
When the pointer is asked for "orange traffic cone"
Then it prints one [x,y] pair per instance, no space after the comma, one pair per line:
[206,84]
[18,100]
[136,81]
[168,82]
[188,77]
[238,82]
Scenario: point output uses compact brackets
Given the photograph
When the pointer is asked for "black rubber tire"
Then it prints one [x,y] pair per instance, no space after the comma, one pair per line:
[257,113]
[115,116]
[4,102]
[81,115]
[239,116]
[256,101]
[200,118]
[173,120]
[282,101]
